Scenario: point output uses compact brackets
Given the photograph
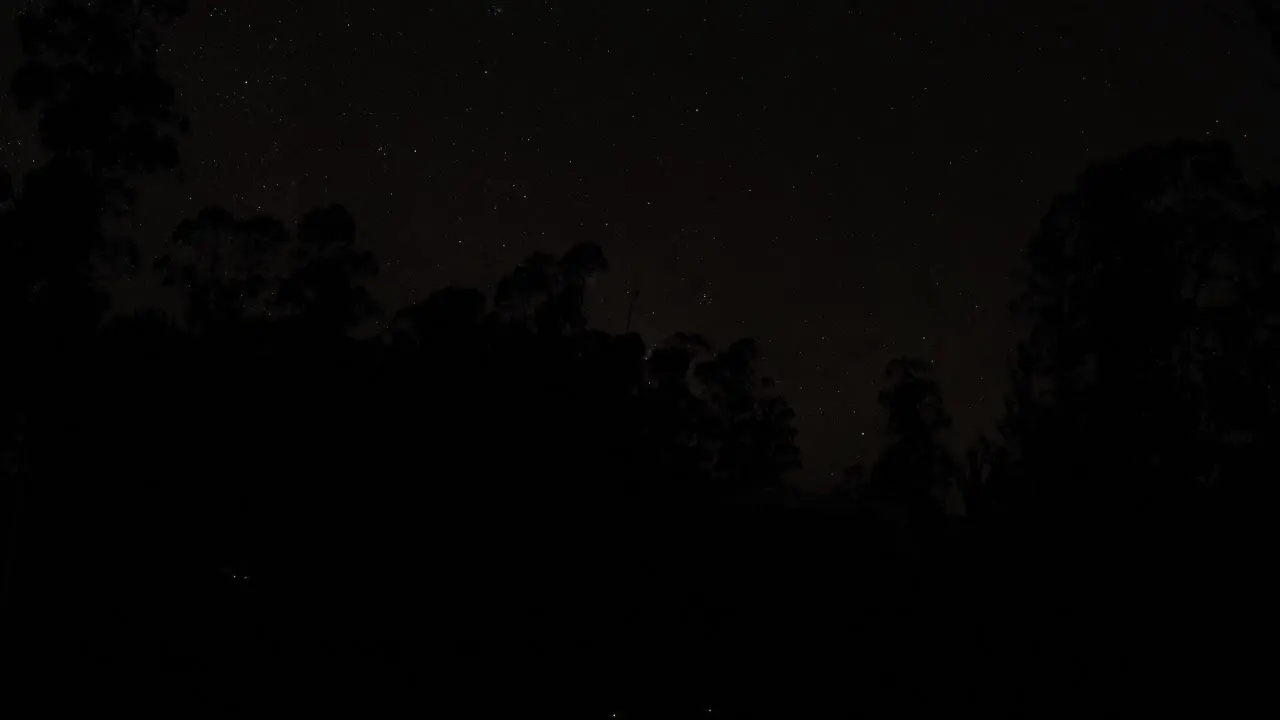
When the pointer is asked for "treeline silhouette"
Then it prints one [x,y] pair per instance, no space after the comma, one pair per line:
[268,493]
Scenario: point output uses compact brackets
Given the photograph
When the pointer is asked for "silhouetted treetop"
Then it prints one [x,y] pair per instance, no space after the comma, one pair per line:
[324,290]
[915,471]
[1267,13]
[90,71]
[546,293]
[750,422]
[731,422]
[228,268]
[327,228]
[912,400]
[237,270]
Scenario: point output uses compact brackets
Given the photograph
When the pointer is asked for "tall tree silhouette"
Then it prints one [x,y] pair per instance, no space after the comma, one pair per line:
[1151,365]
[1142,412]
[105,116]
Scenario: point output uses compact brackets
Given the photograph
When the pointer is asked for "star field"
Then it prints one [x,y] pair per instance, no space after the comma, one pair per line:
[845,183]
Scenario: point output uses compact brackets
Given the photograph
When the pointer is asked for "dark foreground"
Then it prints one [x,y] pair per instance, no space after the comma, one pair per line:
[742,613]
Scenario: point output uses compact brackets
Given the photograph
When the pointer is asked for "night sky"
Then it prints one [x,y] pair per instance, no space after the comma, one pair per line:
[845,183]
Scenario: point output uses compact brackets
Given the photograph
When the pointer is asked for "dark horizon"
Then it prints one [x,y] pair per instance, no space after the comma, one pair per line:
[626,360]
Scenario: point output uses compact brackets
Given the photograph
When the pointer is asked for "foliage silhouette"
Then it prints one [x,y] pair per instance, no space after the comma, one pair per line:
[237,271]
[90,71]
[1151,365]
[228,268]
[915,471]
[105,116]
[1142,406]
[256,492]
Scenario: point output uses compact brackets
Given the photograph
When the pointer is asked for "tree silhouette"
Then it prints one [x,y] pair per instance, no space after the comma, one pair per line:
[257,484]
[1142,406]
[1151,362]
[323,292]
[746,422]
[987,472]
[563,486]
[237,271]
[90,71]
[228,269]
[548,294]
[1267,15]
[449,317]
[915,471]
[105,116]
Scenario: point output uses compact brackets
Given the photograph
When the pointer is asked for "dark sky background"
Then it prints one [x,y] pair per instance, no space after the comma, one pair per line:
[845,182]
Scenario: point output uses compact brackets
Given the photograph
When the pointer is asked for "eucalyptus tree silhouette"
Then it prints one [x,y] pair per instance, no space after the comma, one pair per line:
[1151,368]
